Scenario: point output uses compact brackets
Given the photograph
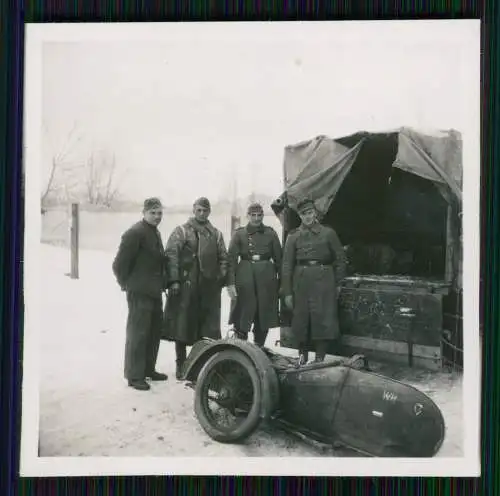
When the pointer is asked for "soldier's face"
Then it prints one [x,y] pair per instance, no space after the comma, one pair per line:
[153,216]
[201,214]
[255,218]
[308,216]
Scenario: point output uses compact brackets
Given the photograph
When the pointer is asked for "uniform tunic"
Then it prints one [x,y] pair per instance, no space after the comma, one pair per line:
[313,287]
[256,281]
[139,267]
[197,259]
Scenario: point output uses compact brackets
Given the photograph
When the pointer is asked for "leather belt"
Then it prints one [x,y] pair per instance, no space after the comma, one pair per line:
[313,263]
[256,258]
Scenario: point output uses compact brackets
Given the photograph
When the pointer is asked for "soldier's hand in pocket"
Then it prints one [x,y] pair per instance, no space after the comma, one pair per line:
[289,301]
[231,291]
[174,289]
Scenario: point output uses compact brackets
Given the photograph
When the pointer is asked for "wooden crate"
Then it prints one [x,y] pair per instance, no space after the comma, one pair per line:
[372,323]
[373,319]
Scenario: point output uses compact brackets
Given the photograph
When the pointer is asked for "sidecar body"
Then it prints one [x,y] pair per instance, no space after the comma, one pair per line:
[337,402]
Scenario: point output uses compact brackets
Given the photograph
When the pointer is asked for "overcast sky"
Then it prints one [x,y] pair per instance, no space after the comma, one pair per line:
[180,113]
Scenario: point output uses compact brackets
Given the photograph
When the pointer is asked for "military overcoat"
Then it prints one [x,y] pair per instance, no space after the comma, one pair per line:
[254,265]
[314,262]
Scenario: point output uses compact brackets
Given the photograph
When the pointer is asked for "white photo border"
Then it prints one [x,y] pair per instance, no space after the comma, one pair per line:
[34,466]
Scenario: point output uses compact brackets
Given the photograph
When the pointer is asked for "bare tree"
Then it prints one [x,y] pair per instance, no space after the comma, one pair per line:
[60,167]
[93,181]
[101,181]
[112,184]
[49,186]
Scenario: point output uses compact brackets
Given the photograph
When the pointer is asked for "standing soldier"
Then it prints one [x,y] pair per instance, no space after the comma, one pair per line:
[139,268]
[254,265]
[197,270]
[313,264]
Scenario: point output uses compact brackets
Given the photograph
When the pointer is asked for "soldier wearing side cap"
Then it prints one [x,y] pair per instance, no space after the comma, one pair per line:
[197,270]
[313,264]
[139,267]
[254,266]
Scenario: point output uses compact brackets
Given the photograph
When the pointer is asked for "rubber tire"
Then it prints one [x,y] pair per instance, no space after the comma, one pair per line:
[252,421]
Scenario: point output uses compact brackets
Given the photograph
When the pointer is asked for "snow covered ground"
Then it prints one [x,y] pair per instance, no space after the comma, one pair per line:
[86,408]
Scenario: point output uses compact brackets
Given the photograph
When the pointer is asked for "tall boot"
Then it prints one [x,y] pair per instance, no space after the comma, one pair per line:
[180,354]
[241,335]
[259,335]
[321,346]
[303,355]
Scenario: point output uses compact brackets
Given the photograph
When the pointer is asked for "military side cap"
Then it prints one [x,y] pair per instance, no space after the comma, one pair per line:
[305,204]
[202,202]
[255,208]
[151,203]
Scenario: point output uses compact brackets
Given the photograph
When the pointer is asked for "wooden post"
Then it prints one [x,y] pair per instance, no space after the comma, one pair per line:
[448,272]
[75,231]
[235,223]
[235,218]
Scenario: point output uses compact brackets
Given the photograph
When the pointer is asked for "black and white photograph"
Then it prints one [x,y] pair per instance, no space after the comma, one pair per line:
[252,249]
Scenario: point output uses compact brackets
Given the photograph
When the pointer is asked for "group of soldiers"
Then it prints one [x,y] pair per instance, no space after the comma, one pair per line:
[194,267]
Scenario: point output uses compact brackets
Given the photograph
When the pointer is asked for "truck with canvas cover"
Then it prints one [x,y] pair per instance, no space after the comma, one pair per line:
[395,200]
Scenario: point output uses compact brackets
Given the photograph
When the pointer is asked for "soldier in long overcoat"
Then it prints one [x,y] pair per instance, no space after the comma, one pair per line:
[314,262]
[197,270]
[139,267]
[253,277]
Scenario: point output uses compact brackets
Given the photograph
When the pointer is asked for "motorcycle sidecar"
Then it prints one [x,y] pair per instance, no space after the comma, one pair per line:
[237,384]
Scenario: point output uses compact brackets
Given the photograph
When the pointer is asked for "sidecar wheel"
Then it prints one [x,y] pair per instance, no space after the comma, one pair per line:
[230,383]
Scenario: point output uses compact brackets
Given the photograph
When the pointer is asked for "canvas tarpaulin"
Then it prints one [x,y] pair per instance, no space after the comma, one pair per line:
[317,168]
[437,158]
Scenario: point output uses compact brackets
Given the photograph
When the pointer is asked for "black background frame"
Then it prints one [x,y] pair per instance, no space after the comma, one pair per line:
[13,15]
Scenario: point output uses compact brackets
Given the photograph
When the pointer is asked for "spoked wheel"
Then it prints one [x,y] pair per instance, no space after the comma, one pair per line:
[228,397]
